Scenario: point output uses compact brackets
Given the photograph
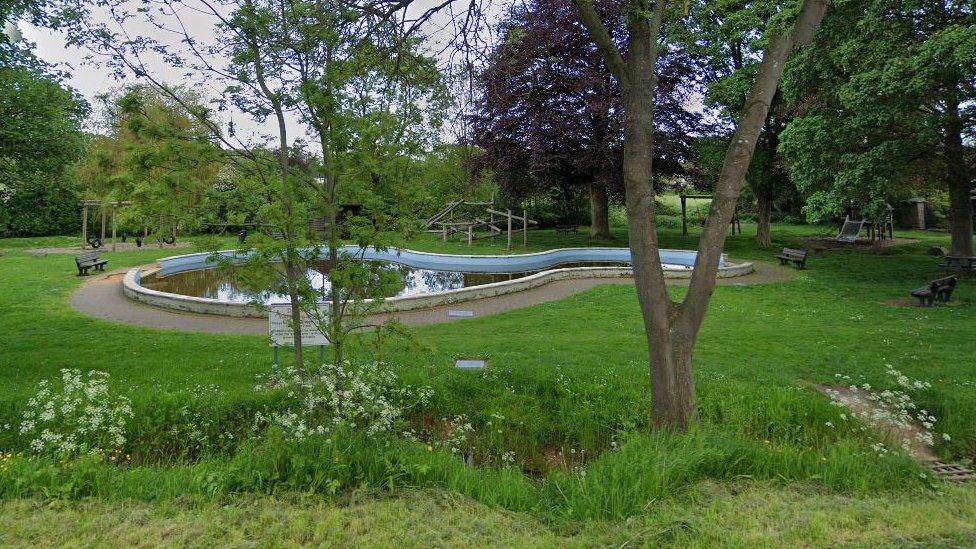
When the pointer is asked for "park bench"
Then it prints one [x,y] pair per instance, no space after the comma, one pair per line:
[567,228]
[937,290]
[790,255]
[89,261]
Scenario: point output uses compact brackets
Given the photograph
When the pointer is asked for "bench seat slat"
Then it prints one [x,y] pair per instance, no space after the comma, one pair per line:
[90,260]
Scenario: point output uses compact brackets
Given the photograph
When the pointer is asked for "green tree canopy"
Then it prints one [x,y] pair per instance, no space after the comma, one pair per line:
[731,36]
[40,137]
[156,155]
[887,96]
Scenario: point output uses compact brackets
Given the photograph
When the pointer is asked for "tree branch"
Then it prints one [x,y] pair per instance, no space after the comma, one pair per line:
[602,38]
[737,160]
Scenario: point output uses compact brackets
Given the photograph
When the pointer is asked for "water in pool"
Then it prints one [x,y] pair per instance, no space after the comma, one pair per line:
[223,285]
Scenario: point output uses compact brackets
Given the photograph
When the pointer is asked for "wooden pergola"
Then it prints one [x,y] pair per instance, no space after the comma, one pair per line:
[85,204]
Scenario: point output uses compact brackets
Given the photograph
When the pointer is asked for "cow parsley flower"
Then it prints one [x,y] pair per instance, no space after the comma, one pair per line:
[81,416]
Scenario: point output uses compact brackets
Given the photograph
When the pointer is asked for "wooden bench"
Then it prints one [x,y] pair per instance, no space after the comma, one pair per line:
[790,255]
[567,228]
[89,261]
[937,290]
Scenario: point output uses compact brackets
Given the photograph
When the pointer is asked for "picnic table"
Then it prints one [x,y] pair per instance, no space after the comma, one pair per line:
[959,263]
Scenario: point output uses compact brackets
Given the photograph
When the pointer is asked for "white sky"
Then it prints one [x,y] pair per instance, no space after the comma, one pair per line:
[92,78]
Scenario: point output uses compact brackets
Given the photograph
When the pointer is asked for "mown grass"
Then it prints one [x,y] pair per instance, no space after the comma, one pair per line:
[568,378]
[738,514]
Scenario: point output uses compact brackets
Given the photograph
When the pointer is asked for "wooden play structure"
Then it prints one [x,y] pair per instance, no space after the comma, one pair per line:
[877,230]
[96,241]
[734,224]
[103,207]
[474,227]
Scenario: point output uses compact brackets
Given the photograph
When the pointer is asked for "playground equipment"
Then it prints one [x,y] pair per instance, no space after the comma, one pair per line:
[474,229]
[96,241]
[448,211]
[877,230]
[110,209]
[850,230]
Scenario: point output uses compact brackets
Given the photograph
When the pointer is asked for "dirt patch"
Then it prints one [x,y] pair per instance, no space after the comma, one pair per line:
[912,303]
[902,302]
[828,243]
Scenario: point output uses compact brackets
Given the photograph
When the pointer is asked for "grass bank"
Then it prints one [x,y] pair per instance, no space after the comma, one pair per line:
[560,420]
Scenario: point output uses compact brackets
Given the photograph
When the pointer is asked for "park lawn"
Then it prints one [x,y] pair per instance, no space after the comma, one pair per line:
[741,513]
[567,376]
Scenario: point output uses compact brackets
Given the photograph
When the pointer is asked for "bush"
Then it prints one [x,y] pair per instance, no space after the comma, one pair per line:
[39,205]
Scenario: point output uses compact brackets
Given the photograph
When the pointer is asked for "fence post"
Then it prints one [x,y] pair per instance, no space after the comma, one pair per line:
[113,228]
[509,229]
[84,226]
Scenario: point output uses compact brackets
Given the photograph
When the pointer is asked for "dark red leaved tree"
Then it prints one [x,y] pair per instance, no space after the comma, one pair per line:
[550,112]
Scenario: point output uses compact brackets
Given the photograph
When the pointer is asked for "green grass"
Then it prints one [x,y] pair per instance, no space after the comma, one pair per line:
[738,514]
[570,380]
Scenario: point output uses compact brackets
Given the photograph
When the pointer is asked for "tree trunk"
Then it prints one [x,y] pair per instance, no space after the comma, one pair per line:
[672,391]
[672,328]
[290,255]
[764,211]
[599,212]
[960,187]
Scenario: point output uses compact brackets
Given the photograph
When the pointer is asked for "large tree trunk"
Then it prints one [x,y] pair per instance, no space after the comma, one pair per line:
[599,212]
[672,391]
[960,187]
[672,328]
[764,211]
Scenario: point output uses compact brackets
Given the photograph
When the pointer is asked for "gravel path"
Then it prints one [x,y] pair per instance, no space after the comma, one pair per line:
[101,297]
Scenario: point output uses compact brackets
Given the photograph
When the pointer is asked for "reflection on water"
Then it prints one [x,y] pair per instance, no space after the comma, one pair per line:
[224,285]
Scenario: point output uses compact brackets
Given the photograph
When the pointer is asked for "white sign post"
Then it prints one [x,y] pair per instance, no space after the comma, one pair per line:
[280,333]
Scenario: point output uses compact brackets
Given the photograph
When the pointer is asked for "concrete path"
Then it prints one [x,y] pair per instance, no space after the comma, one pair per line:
[101,297]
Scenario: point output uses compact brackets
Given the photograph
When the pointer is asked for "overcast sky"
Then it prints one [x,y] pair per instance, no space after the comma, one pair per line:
[92,78]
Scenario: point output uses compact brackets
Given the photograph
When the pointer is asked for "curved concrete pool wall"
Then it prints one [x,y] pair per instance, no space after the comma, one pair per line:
[133,289]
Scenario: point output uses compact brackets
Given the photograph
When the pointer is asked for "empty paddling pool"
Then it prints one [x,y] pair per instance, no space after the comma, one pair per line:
[193,283]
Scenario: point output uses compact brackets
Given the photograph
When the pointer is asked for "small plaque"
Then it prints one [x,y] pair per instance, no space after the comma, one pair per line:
[460,313]
[469,364]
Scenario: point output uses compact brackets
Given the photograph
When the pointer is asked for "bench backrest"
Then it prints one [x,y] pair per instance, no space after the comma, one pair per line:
[946,282]
[87,258]
[799,254]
